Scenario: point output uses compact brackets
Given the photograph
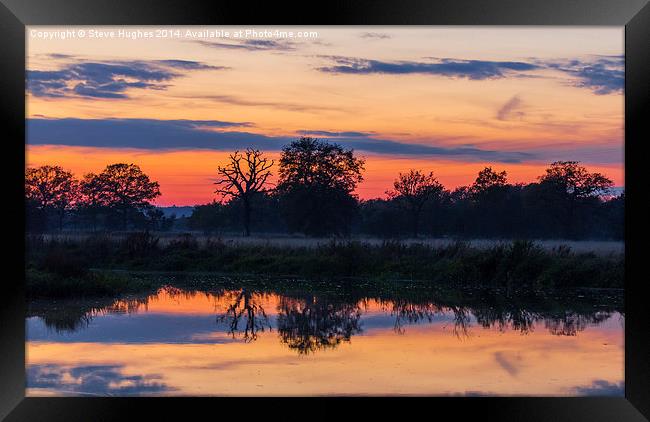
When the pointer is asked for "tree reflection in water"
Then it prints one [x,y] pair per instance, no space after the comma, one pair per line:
[314,323]
[74,315]
[308,322]
[407,312]
[246,304]
[570,323]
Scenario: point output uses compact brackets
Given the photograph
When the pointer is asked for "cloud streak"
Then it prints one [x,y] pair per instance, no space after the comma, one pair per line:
[330,134]
[374,35]
[453,68]
[154,134]
[605,75]
[510,109]
[108,80]
[601,388]
[602,75]
[238,101]
[251,45]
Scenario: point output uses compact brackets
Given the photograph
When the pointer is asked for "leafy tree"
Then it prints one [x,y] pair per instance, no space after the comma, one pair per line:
[493,209]
[51,188]
[412,191]
[488,180]
[570,184]
[315,187]
[575,180]
[124,188]
[244,177]
[379,218]
[92,197]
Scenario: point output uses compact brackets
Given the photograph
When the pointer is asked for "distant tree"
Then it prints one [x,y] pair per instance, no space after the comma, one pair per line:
[124,188]
[575,180]
[245,176]
[571,184]
[208,217]
[51,189]
[492,209]
[487,180]
[412,191]
[379,218]
[158,221]
[316,185]
[613,217]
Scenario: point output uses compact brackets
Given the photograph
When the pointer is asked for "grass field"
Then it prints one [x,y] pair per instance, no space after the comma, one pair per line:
[599,247]
[69,260]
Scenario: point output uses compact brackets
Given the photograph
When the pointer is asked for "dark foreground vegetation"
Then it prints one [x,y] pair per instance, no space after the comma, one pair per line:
[101,265]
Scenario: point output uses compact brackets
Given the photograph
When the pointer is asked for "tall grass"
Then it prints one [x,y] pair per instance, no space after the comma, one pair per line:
[503,264]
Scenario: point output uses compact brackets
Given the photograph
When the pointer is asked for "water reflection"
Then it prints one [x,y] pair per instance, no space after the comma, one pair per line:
[410,340]
[314,323]
[244,304]
[70,316]
[103,380]
[307,323]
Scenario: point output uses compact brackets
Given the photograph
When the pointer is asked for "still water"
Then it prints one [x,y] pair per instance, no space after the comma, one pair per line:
[260,341]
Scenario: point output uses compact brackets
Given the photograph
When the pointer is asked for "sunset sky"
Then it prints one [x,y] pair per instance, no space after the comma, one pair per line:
[445,99]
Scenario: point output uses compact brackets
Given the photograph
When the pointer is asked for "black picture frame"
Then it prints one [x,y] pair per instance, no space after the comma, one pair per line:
[633,14]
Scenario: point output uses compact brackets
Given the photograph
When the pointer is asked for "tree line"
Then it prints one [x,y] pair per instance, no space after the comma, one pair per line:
[314,195]
[117,198]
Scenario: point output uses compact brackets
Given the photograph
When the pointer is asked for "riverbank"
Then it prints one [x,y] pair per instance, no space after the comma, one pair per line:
[598,247]
[87,266]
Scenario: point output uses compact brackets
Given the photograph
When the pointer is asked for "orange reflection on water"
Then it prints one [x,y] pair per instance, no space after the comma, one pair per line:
[426,359]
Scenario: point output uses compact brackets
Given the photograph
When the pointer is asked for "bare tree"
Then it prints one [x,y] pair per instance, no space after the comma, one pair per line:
[245,176]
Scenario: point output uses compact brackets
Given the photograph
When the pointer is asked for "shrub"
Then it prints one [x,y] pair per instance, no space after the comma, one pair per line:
[140,244]
[62,263]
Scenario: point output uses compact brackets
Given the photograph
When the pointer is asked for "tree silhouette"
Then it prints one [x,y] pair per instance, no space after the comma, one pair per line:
[570,184]
[92,197]
[51,188]
[123,187]
[575,180]
[208,218]
[244,177]
[488,180]
[491,205]
[316,182]
[413,190]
